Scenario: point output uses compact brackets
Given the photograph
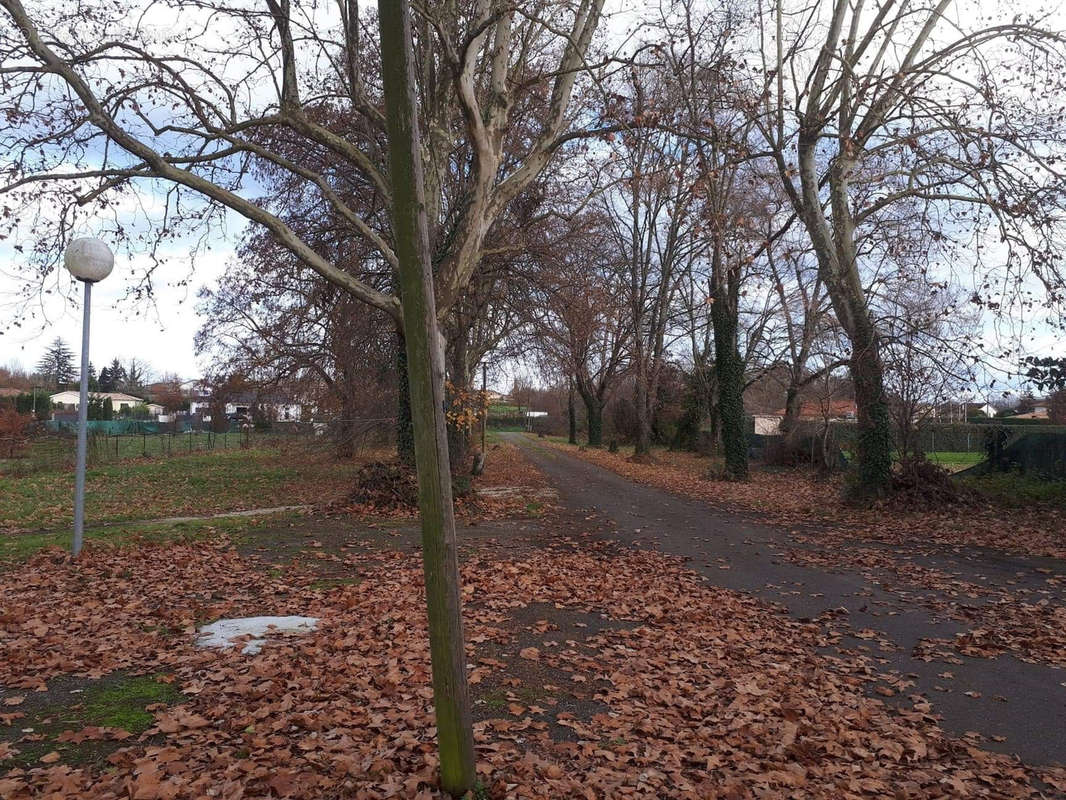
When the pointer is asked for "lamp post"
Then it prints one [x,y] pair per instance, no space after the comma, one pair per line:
[90,261]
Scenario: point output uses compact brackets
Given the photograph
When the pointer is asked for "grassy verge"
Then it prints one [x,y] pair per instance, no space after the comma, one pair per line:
[117,702]
[1010,488]
[54,453]
[200,483]
[17,547]
[954,461]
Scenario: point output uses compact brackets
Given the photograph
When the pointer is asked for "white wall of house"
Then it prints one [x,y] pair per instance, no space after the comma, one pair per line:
[118,401]
[282,412]
[767,424]
[288,412]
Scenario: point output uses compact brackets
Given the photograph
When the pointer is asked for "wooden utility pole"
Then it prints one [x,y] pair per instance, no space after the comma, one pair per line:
[425,365]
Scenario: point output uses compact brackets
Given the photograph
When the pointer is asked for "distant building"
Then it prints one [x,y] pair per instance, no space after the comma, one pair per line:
[1040,411]
[278,407]
[69,400]
[810,411]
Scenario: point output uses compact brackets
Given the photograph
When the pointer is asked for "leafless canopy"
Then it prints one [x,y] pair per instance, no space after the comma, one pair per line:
[194,99]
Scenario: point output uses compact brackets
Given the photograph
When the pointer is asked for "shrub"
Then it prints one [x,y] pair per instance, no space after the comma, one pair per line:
[13,430]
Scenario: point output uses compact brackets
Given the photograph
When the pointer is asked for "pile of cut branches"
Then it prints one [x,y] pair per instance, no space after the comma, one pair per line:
[384,487]
[920,484]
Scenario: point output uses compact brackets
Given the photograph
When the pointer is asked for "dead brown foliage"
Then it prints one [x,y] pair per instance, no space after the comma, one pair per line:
[708,693]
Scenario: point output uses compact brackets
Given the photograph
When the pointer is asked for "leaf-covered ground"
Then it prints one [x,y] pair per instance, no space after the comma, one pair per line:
[801,498]
[684,690]
[596,671]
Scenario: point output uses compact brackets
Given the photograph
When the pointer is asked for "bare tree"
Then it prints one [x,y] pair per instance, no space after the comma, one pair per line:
[102,103]
[929,353]
[701,55]
[578,314]
[282,325]
[911,116]
[651,207]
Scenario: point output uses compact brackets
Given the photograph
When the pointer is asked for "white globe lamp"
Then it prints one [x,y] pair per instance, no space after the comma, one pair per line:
[90,261]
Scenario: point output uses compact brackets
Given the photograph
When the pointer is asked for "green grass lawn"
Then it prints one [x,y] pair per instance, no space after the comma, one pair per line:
[1013,489]
[179,485]
[15,547]
[58,452]
[502,408]
[954,461]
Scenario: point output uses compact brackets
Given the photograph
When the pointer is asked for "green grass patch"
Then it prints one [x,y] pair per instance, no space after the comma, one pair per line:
[17,547]
[1011,488]
[185,485]
[333,583]
[947,458]
[122,705]
[117,701]
[494,700]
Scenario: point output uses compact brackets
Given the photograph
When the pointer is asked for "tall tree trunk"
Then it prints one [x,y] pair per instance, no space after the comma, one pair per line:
[642,446]
[405,436]
[873,447]
[594,414]
[425,361]
[838,266]
[458,430]
[345,433]
[792,408]
[593,411]
[729,370]
[571,414]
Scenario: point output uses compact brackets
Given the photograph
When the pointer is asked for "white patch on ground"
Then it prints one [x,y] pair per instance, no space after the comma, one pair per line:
[224,631]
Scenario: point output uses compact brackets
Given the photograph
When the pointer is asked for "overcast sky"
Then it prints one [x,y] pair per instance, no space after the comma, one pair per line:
[161,333]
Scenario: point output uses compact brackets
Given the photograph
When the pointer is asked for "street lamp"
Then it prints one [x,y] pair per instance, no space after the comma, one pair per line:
[90,261]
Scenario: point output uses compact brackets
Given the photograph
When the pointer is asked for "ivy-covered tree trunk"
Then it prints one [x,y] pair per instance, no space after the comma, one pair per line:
[594,412]
[838,265]
[594,403]
[873,446]
[571,414]
[405,436]
[456,398]
[729,371]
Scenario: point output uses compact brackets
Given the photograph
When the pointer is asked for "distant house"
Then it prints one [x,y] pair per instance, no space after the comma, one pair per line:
[976,409]
[277,407]
[810,411]
[69,400]
[1040,411]
[7,392]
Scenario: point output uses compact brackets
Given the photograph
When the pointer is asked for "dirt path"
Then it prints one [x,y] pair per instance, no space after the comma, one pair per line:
[1018,707]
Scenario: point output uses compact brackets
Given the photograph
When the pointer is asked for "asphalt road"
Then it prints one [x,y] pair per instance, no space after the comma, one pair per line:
[1022,702]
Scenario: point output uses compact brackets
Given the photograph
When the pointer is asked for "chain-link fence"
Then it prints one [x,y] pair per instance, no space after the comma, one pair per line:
[940,437]
[44,450]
